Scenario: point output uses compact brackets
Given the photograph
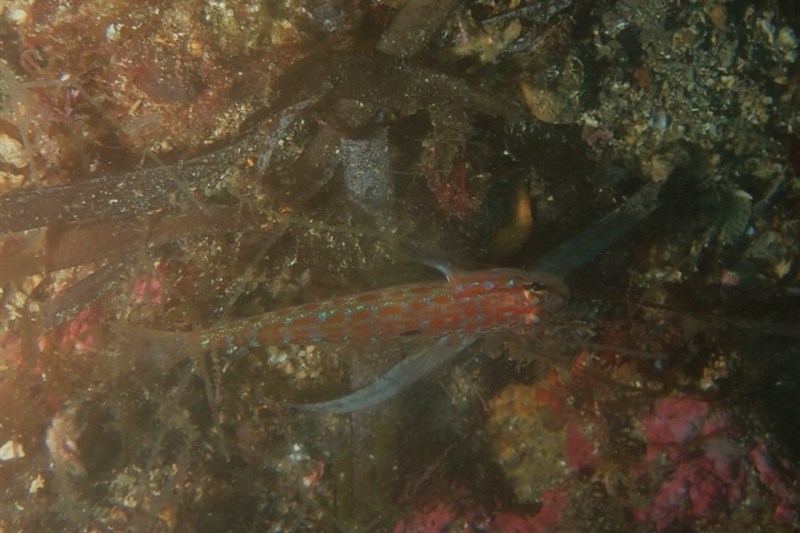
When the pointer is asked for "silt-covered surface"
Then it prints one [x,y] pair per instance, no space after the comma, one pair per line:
[176,166]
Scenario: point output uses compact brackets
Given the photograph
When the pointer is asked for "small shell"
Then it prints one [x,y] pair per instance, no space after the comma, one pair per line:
[11,450]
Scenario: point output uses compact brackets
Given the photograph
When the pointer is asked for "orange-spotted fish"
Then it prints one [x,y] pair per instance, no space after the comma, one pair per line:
[451,313]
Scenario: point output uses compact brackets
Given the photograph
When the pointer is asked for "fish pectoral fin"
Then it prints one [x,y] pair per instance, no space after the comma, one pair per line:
[416,253]
[396,380]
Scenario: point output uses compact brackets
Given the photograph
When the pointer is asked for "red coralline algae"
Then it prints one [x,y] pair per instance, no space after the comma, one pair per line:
[436,519]
[708,473]
[675,420]
[11,349]
[553,504]
[786,511]
[147,290]
[440,518]
[580,450]
[82,332]
[697,487]
[551,391]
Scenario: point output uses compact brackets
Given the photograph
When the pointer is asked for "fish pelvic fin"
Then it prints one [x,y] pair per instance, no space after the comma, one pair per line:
[398,379]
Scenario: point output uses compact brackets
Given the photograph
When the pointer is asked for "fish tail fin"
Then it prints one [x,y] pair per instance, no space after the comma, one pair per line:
[152,348]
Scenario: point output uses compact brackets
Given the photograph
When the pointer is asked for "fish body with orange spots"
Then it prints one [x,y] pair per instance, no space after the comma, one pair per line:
[468,303]
[451,313]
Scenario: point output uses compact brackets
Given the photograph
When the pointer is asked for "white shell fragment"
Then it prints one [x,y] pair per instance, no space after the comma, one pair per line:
[36,485]
[11,450]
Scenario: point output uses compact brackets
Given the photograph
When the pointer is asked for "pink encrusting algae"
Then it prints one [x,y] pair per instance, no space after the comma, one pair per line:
[471,303]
